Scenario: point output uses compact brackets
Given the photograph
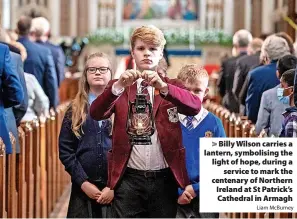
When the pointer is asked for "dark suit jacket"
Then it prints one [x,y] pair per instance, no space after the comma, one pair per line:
[15,114]
[169,132]
[20,110]
[59,59]
[225,83]
[243,92]
[261,79]
[40,63]
[11,92]
[243,66]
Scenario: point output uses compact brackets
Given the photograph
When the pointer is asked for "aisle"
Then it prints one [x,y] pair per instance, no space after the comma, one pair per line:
[60,210]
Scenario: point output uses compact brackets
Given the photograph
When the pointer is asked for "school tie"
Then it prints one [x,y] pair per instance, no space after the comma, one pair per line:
[189,124]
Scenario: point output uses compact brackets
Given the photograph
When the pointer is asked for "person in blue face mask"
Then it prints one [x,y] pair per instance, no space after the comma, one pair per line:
[285,94]
[271,108]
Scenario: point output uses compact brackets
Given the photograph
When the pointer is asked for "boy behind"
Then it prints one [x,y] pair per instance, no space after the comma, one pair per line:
[204,124]
[285,94]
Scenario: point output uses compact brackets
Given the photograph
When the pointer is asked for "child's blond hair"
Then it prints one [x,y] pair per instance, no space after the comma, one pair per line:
[150,35]
[80,103]
[191,72]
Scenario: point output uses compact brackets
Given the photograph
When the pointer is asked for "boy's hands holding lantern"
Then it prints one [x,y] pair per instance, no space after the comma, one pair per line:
[127,78]
[154,80]
[151,77]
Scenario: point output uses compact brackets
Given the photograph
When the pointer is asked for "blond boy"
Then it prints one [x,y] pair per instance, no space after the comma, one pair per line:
[204,124]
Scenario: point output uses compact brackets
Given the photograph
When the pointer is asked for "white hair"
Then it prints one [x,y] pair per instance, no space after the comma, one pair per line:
[242,38]
[40,26]
[275,47]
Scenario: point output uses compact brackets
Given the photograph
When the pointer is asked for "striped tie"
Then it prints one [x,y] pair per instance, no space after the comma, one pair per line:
[190,122]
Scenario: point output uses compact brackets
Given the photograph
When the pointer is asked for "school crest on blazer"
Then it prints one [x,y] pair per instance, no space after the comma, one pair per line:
[172,114]
[208,134]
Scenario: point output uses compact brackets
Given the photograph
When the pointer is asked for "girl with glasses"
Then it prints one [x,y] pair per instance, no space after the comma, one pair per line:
[84,142]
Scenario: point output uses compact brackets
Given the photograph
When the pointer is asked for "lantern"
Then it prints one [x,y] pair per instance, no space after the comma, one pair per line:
[140,121]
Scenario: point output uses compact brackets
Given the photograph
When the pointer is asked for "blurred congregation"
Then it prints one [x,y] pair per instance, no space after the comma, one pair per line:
[251,84]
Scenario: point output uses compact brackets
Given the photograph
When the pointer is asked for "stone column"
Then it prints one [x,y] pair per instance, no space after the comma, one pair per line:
[54,6]
[202,16]
[248,13]
[14,9]
[73,18]
[119,12]
[93,15]
[239,15]
[6,13]
[267,13]
[228,16]
[291,14]
[82,20]
[218,14]
[65,21]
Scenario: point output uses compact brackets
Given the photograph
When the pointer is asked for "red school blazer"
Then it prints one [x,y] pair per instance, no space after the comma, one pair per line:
[165,109]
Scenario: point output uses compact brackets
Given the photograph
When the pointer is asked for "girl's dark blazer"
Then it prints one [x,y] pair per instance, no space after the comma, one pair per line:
[85,158]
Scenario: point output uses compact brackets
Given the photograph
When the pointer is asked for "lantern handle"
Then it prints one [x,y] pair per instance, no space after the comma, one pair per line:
[143,85]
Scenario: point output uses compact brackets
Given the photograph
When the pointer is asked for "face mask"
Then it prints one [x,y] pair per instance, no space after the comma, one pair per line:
[280,95]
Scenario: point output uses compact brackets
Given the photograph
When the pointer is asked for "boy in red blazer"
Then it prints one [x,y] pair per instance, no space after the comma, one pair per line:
[145,178]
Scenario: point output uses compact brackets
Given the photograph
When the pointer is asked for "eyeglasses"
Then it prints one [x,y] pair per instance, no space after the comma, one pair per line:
[102,70]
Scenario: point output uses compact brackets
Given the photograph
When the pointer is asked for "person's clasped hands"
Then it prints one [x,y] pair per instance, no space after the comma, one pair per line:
[102,197]
[187,196]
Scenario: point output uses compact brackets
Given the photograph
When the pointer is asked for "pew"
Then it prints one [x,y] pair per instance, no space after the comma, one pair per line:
[29,177]
[69,88]
[231,128]
[11,190]
[59,183]
[212,107]
[252,133]
[206,104]
[43,168]
[53,133]
[218,110]
[49,167]
[36,166]
[32,181]
[245,127]
[3,213]
[243,215]
[225,121]
[21,182]
[262,134]
[238,128]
